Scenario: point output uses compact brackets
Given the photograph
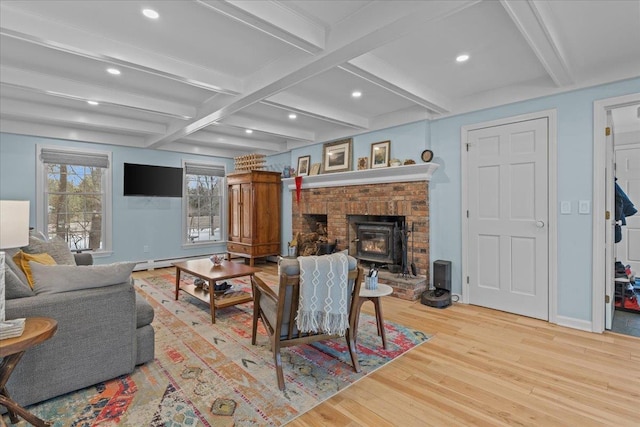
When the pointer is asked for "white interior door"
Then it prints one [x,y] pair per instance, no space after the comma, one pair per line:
[628,174]
[508,215]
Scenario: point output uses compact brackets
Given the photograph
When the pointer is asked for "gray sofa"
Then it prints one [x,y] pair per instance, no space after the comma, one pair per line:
[103,332]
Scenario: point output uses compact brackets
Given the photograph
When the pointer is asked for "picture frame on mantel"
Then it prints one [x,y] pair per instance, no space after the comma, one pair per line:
[303,165]
[336,156]
[315,169]
[380,154]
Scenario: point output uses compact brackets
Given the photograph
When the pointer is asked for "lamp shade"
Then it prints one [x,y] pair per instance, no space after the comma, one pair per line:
[14,223]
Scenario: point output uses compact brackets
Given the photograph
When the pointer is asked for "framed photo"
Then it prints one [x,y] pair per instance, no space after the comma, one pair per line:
[363,163]
[336,156]
[303,165]
[380,154]
[315,169]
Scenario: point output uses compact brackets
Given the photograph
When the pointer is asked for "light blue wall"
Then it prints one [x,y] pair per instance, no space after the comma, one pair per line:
[155,222]
[575,182]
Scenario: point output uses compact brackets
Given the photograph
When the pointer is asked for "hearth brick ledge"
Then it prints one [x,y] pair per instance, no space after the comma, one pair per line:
[406,198]
[410,288]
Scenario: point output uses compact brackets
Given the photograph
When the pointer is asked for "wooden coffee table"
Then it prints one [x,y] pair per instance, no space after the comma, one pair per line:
[204,269]
[36,330]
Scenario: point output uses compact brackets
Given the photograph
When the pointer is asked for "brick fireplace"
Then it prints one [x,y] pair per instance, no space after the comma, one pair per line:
[398,192]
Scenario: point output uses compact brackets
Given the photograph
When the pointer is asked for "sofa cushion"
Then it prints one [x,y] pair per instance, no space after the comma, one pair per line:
[25,260]
[144,312]
[52,279]
[56,247]
[14,287]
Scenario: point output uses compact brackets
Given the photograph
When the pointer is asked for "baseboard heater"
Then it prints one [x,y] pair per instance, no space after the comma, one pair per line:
[161,263]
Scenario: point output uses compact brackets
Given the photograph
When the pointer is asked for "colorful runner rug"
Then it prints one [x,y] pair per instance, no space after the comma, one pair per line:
[211,375]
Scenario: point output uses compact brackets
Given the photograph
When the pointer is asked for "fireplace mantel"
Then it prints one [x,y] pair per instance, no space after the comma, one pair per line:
[406,173]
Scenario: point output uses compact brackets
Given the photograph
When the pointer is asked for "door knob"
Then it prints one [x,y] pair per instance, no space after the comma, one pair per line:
[539,224]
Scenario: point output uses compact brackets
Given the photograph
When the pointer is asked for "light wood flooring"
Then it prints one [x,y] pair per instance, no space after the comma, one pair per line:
[484,367]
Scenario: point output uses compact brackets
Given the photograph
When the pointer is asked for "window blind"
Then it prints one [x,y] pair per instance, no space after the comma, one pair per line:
[62,157]
[201,169]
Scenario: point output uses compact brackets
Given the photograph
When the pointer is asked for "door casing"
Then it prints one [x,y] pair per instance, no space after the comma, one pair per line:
[600,109]
[551,116]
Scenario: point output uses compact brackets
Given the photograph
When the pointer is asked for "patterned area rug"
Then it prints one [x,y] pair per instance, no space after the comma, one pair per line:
[211,375]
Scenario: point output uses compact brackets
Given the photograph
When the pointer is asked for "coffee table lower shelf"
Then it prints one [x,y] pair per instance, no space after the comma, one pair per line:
[219,301]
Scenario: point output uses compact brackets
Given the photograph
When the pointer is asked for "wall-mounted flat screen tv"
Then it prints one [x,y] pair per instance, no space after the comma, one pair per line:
[152,181]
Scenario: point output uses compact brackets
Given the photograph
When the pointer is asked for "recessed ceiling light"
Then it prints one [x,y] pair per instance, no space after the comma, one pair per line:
[113,71]
[462,58]
[356,94]
[150,13]
[292,116]
[248,131]
[92,103]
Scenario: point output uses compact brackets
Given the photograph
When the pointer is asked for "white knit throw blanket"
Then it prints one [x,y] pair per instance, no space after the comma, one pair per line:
[324,288]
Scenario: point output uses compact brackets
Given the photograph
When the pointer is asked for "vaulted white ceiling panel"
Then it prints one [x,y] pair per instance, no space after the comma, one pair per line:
[499,56]
[598,35]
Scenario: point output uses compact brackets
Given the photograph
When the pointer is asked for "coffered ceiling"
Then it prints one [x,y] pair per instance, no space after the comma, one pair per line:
[202,73]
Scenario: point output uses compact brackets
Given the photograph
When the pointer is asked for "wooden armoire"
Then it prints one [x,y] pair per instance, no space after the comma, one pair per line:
[254,214]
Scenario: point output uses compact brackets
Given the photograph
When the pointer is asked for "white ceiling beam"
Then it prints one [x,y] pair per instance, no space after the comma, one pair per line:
[268,127]
[416,16]
[73,134]
[210,136]
[73,89]
[275,20]
[66,116]
[371,68]
[205,150]
[312,108]
[537,31]
[54,35]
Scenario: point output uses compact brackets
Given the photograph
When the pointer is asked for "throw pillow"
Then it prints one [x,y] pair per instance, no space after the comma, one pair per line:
[52,279]
[22,260]
[14,287]
[10,264]
[56,247]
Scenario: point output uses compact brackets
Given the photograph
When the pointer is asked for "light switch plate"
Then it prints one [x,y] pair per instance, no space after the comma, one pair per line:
[565,207]
[584,207]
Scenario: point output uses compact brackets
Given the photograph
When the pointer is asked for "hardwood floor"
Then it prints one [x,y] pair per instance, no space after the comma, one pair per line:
[490,368]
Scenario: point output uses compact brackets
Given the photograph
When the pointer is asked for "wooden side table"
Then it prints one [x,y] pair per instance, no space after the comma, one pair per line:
[373,296]
[36,330]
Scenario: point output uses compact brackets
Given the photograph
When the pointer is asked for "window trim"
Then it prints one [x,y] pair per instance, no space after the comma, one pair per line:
[41,209]
[185,208]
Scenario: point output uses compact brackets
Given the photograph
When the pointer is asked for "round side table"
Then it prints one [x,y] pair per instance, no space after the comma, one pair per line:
[374,296]
[36,330]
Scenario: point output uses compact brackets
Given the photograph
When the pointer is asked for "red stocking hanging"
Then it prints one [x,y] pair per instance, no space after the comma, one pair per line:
[298,188]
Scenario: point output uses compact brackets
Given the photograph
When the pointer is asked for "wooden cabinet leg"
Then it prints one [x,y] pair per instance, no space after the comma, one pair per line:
[178,271]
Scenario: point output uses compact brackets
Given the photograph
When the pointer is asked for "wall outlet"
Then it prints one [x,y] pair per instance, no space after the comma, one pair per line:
[145,248]
[565,207]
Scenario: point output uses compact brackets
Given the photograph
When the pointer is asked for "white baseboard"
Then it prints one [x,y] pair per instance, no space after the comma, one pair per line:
[570,322]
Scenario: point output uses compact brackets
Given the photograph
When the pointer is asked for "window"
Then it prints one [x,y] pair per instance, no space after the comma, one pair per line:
[204,201]
[73,197]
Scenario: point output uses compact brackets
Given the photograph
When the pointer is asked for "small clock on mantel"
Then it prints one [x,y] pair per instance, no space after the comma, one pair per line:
[426,156]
